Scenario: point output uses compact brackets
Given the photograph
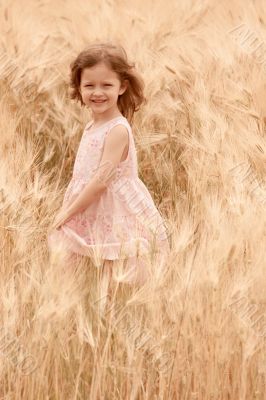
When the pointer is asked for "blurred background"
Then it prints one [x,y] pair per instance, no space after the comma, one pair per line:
[197,329]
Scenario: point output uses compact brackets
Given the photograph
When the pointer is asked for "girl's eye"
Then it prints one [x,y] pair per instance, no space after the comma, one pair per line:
[106,84]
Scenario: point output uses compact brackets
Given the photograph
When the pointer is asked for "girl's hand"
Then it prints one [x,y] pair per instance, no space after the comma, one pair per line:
[62,217]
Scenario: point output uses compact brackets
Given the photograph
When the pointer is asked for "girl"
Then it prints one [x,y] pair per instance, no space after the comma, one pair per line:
[108,213]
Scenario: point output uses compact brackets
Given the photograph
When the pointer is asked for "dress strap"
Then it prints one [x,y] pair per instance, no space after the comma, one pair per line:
[89,124]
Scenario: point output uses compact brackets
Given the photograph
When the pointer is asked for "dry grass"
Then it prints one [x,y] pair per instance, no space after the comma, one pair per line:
[198,331]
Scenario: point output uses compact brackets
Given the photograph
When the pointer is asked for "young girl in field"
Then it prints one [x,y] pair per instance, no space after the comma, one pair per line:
[108,213]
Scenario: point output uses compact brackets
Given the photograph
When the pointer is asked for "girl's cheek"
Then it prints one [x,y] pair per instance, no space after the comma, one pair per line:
[86,95]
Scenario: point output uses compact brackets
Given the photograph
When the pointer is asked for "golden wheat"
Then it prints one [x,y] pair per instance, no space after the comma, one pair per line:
[196,329]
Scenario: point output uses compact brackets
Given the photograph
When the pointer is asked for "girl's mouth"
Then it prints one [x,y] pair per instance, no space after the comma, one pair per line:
[98,101]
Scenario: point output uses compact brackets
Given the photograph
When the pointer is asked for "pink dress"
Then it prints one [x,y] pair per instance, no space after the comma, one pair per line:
[123,223]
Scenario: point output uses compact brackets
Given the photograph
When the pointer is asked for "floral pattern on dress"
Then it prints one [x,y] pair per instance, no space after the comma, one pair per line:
[121,217]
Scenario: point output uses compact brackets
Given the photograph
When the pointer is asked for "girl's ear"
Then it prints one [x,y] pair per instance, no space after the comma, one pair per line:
[124,86]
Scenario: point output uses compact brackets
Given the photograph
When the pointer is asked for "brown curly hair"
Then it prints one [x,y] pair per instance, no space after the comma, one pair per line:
[114,55]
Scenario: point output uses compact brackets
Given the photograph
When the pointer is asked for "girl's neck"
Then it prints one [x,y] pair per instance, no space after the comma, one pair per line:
[102,118]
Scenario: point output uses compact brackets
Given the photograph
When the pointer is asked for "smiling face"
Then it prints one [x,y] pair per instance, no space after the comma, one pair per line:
[99,88]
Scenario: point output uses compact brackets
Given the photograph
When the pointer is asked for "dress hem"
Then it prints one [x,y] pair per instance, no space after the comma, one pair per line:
[108,251]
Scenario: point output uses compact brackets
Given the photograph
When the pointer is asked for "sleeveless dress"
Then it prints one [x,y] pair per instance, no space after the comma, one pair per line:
[123,223]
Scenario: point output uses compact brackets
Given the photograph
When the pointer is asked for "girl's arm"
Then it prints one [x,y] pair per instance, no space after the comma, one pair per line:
[114,145]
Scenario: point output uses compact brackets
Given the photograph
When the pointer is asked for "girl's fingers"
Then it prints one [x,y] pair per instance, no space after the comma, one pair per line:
[60,220]
[55,226]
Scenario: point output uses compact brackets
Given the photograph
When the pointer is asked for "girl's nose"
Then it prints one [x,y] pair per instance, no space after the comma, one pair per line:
[97,91]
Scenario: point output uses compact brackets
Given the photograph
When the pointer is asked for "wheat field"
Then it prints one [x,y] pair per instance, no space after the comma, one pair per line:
[196,330]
